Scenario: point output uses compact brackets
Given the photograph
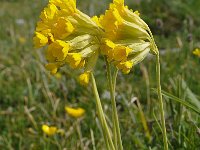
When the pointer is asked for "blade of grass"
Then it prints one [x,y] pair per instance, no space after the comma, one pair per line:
[186,104]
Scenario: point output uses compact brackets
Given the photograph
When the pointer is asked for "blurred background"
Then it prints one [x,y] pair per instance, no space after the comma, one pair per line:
[31,97]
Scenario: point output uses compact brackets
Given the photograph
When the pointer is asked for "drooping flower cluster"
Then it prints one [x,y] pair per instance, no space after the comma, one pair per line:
[127,39]
[74,38]
[71,36]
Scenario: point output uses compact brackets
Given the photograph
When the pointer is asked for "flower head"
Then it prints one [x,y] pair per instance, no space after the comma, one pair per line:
[127,39]
[75,112]
[119,22]
[49,130]
[71,37]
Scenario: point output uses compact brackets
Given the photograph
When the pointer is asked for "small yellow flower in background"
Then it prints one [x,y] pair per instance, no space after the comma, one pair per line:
[84,78]
[49,130]
[196,52]
[75,112]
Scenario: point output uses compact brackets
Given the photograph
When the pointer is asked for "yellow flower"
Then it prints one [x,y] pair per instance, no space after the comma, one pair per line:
[49,13]
[119,24]
[120,53]
[40,40]
[84,78]
[49,130]
[69,6]
[96,20]
[125,66]
[75,60]
[75,112]
[196,52]
[57,51]
[62,28]
[107,46]
[127,39]
[52,67]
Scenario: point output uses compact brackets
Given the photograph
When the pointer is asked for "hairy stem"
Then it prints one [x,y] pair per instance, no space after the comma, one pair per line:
[116,128]
[161,102]
[106,132]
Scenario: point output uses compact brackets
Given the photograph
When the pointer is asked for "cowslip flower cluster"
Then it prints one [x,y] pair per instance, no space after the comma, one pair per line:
[71,37]
[127,39]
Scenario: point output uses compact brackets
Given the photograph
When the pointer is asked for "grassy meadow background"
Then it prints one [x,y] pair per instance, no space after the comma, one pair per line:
[31,97]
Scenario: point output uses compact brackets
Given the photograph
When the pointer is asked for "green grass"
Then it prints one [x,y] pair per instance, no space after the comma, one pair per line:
[30,96]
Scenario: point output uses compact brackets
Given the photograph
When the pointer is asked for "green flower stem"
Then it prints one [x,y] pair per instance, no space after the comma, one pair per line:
[113,117]
[78,128]
[161,102]
[101,115]
[116,129]
[115,78]
[156,52]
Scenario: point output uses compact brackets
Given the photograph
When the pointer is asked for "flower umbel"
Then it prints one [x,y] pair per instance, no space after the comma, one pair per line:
[71,36]
[127,39]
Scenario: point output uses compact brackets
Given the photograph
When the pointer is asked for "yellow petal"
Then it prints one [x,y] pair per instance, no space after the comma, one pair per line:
[75,60]
[84,78]
[68,5]
[125,66]
[196,52]
[96,20]
[39,40]
[107,46]
[75,112]
[52,67]
[58,50]
[120,53]
[63,28]
[49,130]
[49,13]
